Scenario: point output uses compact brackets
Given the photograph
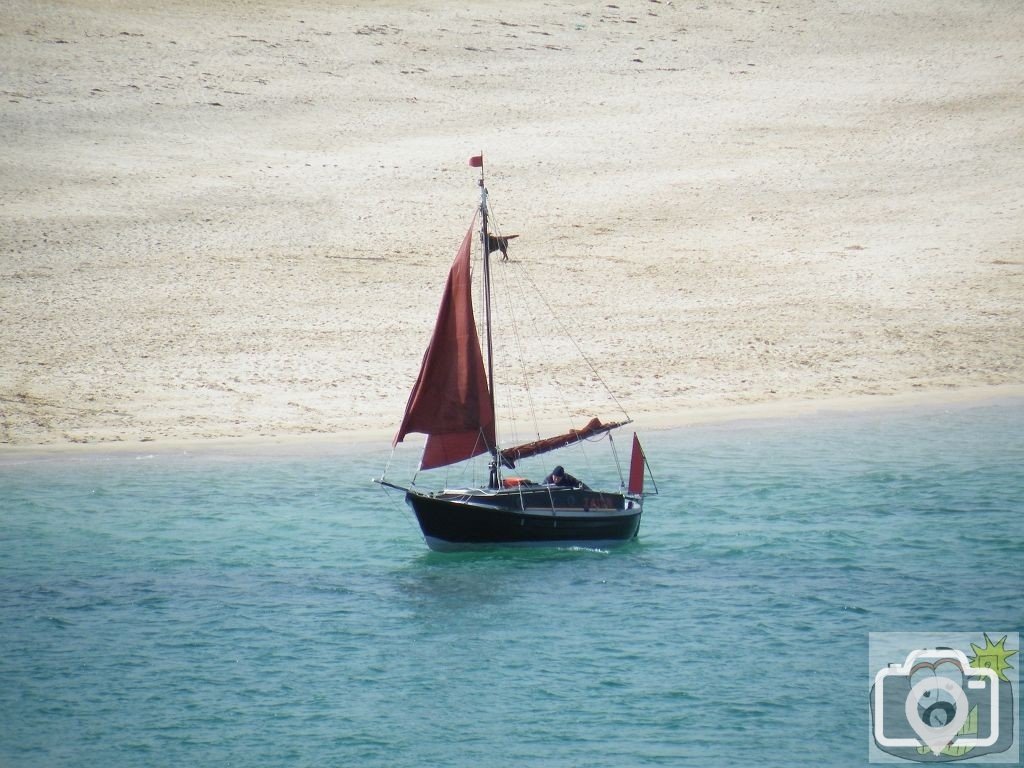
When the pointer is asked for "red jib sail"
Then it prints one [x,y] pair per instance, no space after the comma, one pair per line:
[450,402]
[510,456]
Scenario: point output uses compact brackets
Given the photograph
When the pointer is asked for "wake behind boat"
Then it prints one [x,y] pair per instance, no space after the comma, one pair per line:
[453,404]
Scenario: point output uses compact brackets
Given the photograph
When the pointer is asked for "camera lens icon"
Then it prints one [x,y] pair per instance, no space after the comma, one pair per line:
[929,698]
[938,723]
[938,692]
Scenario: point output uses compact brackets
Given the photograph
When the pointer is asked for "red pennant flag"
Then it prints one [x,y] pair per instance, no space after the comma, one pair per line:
[476,161]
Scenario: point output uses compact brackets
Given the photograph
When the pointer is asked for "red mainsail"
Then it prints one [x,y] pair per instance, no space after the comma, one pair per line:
[451,402]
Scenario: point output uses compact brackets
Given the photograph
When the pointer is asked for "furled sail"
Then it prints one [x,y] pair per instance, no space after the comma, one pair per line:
[450,402]
[509,456]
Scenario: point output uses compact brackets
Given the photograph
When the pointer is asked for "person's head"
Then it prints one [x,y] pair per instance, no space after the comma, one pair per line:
[558,471]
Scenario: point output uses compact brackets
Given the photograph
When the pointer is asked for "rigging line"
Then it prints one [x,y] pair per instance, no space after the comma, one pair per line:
[508,284]
[500,394]
[522,283]
[650,474]
[552,317]
[387,465]
[403,510]
[540,331]
[503,393]
[586,359]
[615,455]
[494,219]
[521,352]
[543,331]
[508,431]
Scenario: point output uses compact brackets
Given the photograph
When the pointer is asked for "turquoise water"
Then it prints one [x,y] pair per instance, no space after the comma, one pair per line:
[282,611]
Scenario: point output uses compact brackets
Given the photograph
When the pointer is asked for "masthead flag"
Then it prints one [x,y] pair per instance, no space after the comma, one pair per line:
[477,161]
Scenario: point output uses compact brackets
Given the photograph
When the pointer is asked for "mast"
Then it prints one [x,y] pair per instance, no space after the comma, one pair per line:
[485,247]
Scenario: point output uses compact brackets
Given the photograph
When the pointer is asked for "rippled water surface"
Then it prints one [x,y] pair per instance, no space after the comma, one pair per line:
[255,611]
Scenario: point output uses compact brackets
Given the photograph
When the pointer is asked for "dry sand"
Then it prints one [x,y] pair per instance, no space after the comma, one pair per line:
[233,219]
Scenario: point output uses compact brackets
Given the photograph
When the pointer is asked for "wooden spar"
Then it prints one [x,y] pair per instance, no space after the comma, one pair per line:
[594,427]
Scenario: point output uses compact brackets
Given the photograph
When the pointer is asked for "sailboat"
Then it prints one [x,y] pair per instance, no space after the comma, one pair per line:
[453,404]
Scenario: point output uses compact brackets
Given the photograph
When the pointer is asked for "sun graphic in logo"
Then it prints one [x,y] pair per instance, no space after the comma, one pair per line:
[992,656]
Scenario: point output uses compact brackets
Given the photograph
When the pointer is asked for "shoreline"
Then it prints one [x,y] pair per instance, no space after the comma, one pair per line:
[378,439]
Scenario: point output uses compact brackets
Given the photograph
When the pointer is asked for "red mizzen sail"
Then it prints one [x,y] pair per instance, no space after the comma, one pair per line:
[510,456]
[637,463]
[451,402]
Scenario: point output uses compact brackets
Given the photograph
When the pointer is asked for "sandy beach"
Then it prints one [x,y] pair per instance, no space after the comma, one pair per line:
[234,220]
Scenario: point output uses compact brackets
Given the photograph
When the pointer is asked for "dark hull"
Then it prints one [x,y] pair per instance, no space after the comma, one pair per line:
[539,517]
